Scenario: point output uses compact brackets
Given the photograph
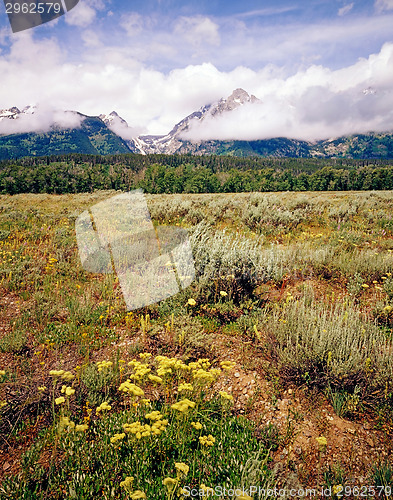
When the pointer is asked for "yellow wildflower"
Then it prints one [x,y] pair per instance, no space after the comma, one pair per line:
[184,387]
[181,468]
[117,437]
[131,388]
[207,440]
[68,391]
[81,427]
[223,293]
[127,484]
[226,396]
[227,365]
[322,441]
[191,302]
[60,400]
[337,488]
[197,425]
[183,405]
[2,373]
[137,495]
[154,415]
[170,483]
[103,406]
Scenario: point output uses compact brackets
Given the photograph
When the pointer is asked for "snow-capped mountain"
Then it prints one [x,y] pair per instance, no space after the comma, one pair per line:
[112,119]
[173,142]
[14,113]
[38,131]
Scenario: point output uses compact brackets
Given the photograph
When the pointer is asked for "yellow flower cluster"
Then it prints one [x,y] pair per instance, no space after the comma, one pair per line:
[155,379]
[145,355]
[60,400]
[170,483]
[204,376]
[184,387]
[166,365]
[138,495]
[2,373]
[117,437]
[207,440]
[181,469]
[183,405]
[128,387]
[322,441]
[103,407]
[104,364]
[145,430]
[63,374]
[227,365]
[65,423]
[140,370]
[197,425]
[68,391]
[81,427]
[201,363]
[154,415]
[226,396]
[127,483]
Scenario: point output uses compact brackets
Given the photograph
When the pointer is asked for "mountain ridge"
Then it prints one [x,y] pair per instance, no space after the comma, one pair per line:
[111,134]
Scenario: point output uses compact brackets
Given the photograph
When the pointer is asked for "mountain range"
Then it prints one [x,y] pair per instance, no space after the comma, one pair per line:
[21,134]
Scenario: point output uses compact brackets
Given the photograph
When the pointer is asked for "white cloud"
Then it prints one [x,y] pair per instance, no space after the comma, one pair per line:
[311,105]
[344,10]
[41,121]
[314,102]
[197,30]
[133,23]
[81,15]
[383,5]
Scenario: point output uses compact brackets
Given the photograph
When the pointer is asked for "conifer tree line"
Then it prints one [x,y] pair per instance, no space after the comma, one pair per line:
[75,173]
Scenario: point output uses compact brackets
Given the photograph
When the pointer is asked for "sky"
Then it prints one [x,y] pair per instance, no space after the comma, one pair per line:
[321,68]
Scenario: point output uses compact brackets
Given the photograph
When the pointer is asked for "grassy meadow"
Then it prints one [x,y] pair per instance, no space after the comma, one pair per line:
[273,369]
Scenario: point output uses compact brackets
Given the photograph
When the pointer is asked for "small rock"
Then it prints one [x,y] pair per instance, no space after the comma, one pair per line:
[237,374]
[290,391]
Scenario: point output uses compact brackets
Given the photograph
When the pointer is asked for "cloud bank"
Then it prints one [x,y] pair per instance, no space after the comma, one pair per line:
[312,105]
[42,120]
[313,102]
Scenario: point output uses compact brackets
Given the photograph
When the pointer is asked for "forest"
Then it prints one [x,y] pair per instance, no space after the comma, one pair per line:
[157,174]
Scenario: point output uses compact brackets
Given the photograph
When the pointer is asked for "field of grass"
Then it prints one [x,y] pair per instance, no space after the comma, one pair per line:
[273,369]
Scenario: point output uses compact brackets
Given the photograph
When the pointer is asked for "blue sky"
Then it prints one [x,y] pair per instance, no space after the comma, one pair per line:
[154,61]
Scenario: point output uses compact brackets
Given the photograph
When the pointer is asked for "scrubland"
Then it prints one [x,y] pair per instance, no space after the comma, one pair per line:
[274,368]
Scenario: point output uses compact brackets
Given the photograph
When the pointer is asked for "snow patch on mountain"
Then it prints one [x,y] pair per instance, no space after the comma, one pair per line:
[120,127]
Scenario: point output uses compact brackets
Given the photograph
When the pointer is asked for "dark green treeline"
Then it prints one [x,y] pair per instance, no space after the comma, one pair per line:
[190,174]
